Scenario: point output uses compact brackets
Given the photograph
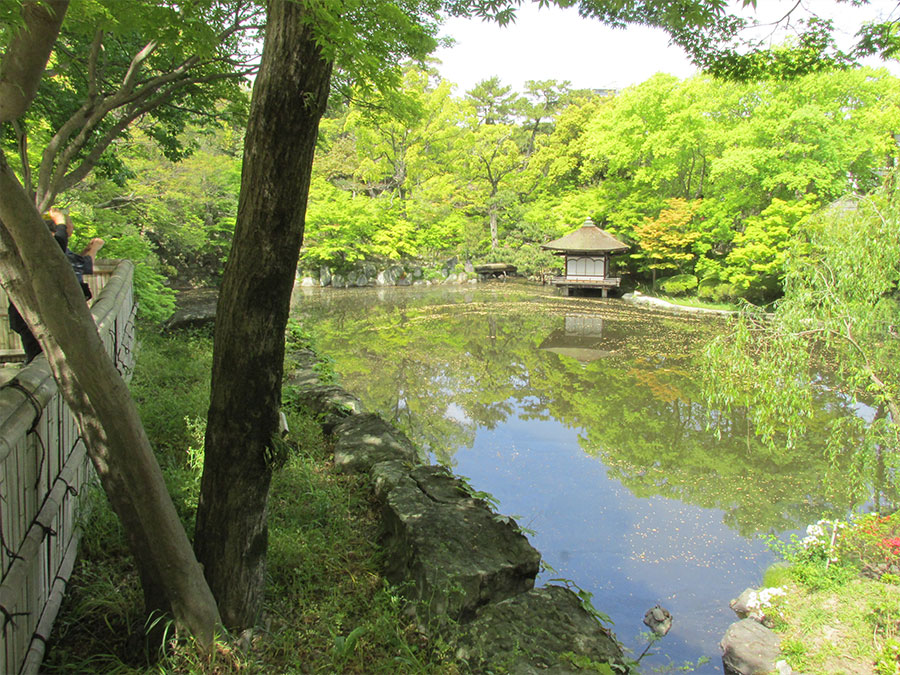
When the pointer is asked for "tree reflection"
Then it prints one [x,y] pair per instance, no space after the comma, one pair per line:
[443,364]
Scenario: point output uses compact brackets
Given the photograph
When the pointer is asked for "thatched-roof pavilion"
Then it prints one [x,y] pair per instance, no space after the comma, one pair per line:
[587,251]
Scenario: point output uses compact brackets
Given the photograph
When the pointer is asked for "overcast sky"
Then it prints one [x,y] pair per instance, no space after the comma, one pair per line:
[555,43]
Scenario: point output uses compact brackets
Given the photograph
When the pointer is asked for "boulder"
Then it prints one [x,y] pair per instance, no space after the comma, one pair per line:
[450,550]
[392,276]
[749,648]
[360,441]
[324,276]
[308,282]
[338,281]
[545,630]
[330,403]
[385,476]
[194,307]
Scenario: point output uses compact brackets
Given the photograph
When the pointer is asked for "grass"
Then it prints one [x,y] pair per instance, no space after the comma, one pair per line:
[841,609]
[686,300]
[839,630]
[327,607]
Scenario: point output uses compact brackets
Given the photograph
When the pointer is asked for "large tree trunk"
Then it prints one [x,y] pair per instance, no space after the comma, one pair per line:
[289,98]
[39,280]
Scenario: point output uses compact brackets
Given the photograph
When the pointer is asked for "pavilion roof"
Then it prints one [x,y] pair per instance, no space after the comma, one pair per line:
[587,239]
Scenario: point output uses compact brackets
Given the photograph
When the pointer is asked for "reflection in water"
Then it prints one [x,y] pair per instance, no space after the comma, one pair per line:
[581,338]
[585,419]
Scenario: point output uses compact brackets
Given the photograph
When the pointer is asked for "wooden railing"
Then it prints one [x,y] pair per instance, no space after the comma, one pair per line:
[44,476]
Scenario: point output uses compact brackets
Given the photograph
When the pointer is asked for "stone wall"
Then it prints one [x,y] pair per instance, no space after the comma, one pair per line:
[451,271]
[468,573]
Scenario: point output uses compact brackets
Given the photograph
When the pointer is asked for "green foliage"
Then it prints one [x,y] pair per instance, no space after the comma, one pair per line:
[888,660]
[812,560]
[677,285]
[755,266]
[329,608]
[841,303]
[716,290]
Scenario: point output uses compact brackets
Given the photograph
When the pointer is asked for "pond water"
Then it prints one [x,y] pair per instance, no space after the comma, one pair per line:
[586,420]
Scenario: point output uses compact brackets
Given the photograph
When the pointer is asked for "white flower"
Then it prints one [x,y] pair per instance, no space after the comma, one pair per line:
[766,595]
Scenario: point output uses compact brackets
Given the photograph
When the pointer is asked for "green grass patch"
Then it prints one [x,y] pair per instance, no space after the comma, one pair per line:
[327,608]
[841,609]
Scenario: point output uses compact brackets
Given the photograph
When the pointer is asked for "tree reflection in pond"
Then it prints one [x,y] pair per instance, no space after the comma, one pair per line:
[586,418]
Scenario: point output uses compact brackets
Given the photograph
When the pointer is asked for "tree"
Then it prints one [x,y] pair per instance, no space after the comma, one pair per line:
[242,446]
[37,277]
[666,240]
[841,301]
[119,64]
[493,102]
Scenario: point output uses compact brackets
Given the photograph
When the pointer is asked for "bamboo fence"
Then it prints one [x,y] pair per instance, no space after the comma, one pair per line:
[45,475]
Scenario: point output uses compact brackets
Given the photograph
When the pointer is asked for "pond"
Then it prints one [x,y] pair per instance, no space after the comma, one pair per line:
[585,419]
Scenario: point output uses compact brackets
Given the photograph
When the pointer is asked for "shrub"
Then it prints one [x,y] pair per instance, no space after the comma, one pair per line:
[873,546]
[680,283]
[716,290]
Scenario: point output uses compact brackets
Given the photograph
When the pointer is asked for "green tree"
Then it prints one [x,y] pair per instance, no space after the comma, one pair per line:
[493,102]
[121,64]
[755,266]
[665,241]
[841,301]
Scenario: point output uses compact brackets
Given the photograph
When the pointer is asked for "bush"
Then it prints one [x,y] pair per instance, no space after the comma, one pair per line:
[716,290]
[680,283]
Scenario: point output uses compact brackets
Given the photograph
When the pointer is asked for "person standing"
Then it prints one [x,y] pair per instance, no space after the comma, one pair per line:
[62,227]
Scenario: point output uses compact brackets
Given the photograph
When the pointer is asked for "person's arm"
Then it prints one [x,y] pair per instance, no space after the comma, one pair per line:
[91,250]
[61,218]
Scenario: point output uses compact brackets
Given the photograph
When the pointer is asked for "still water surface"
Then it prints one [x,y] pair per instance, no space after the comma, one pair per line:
[585,419]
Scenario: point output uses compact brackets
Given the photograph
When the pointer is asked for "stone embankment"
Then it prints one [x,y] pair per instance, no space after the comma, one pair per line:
[451,271]
[467,572]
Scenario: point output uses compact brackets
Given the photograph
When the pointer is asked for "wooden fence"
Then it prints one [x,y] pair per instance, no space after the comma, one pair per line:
[44,476]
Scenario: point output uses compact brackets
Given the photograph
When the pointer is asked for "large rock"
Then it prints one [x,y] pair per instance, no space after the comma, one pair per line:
[330,404]
[390,276]
[324,276]
[546,630]
[194,307]
[361,441]
[749,648]
[455,553]
[301,369]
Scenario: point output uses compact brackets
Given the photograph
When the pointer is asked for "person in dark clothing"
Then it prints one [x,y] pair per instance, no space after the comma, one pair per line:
[61,226]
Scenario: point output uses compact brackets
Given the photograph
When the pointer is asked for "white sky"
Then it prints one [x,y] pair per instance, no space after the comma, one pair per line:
[555,43]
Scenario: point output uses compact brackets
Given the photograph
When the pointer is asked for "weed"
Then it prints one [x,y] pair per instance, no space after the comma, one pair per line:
[794,652]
